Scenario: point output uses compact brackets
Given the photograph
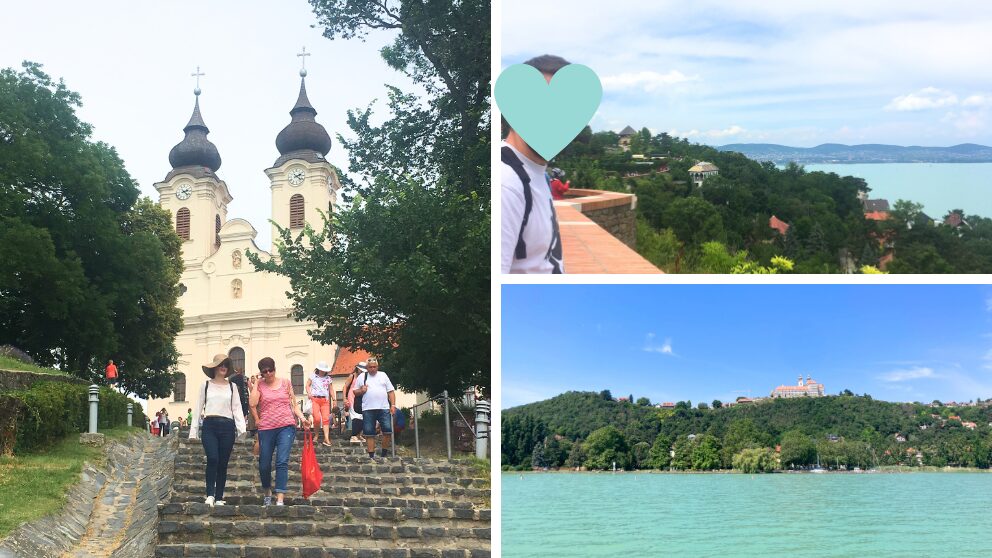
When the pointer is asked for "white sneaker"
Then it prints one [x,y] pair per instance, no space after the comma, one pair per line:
[209,501]
[219,502]
[354,440]
[279,503]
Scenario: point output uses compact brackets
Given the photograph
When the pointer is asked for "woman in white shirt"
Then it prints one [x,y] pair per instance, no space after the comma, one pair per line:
[217,420]
[321,392]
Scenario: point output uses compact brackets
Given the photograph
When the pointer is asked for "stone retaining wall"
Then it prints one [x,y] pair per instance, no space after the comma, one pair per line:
[613,211]
[14,379]
[57,534]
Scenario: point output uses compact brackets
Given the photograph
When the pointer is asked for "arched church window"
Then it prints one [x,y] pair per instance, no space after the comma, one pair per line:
[296,375]
[217,231]
[237,356]
[296,210]
[179,388]
[182,223]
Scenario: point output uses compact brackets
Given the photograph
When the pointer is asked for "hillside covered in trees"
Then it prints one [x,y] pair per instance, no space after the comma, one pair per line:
[585,429]
[723,226]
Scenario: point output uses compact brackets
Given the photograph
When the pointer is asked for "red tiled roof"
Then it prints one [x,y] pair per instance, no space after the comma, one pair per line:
[877,215]
[779,225]
[346,361]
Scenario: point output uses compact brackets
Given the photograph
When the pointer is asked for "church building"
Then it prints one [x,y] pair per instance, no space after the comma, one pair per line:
[229,307]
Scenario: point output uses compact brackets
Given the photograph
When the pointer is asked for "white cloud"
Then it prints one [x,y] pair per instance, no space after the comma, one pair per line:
[924,99]
[733,130]
[648,81]
[650,346]
[907,374]
[977,101]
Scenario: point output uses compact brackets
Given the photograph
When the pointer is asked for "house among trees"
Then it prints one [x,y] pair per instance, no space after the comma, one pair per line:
[956,220]
[779,225]
[809,388]
[625,136]
[702,170]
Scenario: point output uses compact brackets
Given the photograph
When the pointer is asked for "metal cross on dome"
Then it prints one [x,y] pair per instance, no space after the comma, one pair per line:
[197,75]
[303,58]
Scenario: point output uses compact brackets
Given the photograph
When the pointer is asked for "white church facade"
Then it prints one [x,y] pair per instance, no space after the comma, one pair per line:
[229,307]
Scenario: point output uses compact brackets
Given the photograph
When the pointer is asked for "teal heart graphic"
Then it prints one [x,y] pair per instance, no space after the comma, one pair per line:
[548,115]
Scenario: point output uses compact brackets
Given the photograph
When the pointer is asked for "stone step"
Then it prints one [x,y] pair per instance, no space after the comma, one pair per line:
[236,475]
[347,535]
[319,514]
[194,492]
[333,465]
[315,551]
[321,500]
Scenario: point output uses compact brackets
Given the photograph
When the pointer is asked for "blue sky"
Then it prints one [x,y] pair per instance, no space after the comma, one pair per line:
[912,72]
[705,342]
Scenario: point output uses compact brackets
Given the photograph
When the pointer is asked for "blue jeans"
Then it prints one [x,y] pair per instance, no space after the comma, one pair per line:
[279,441]
[369,418]
[217,436]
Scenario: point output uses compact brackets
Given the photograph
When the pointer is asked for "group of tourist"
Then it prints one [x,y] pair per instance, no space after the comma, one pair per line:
[228,405]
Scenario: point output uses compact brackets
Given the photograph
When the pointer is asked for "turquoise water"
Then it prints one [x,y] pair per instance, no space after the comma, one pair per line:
[939,187]
[783,515]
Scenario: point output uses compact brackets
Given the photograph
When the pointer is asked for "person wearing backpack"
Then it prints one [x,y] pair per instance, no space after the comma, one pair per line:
[378,404]
[216,421]
[354,415]
[530,239]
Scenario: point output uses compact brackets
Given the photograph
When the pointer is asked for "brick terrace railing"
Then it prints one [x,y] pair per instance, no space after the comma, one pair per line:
[599,231]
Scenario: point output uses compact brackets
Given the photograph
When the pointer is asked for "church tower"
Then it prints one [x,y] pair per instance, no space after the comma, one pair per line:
[303,183]
[192,191]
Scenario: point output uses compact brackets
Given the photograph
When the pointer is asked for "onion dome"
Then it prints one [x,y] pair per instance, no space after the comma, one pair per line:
[303,137]
[195,150]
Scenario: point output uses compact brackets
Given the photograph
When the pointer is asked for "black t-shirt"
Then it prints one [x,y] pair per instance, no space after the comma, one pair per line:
[239,380]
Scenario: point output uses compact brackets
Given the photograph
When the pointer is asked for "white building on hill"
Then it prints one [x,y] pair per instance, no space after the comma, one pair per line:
[809,388]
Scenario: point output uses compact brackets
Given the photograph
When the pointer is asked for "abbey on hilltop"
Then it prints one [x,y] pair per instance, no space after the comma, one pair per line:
[228,307]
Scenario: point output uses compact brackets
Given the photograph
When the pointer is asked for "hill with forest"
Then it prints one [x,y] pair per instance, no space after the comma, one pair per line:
[843,431]
[726,225]
[867,153]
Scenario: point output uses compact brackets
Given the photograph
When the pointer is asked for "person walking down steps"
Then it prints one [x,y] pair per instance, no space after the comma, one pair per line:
[217,421]
[275,412]
[378,405]
[321,393]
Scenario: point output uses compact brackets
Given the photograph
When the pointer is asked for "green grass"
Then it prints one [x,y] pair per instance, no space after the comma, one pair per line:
[8,363]
[35,485]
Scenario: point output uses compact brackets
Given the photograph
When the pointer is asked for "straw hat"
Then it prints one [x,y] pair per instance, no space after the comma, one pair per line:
[323,367]
[210,369]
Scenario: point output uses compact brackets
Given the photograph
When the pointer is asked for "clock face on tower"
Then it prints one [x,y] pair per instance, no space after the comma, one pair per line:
[184,192]
[296,177]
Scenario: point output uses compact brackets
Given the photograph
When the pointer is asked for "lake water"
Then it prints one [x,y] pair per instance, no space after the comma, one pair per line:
[939,187]
[699,515]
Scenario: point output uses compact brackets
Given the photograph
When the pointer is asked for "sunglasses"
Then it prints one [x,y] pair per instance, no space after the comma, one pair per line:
[267,370]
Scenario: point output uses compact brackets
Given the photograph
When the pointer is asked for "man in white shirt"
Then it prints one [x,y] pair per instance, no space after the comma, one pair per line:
[531,242]
[378,405]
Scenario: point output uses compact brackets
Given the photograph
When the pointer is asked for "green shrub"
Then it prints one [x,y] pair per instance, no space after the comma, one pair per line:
[49,411]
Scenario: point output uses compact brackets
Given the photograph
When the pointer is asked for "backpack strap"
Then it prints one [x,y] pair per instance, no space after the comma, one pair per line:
[510,159]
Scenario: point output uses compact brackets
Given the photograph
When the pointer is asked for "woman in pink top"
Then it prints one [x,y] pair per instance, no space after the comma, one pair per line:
[275,412]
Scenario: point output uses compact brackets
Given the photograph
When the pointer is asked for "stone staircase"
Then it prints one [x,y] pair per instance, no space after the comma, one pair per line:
[398,507]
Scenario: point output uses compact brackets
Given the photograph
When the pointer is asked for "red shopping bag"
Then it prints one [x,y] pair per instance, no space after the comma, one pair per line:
[311,473]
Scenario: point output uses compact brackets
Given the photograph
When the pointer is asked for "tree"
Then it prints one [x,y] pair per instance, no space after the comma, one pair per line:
[706,453]
[90,272]
[702,406]
[641,455]
[797,449]
[404,271]
[717,404]
[537,459]
[606,446]
[606,395]
[754,460]
[660,455]
[643,401]
[683,450]
[576,457]
[694,221]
